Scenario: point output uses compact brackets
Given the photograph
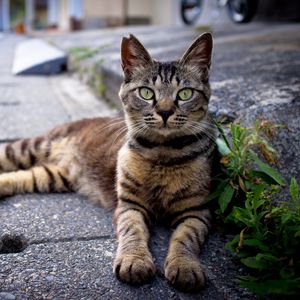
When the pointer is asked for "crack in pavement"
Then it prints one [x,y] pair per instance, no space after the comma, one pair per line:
[15,243]
[70,239]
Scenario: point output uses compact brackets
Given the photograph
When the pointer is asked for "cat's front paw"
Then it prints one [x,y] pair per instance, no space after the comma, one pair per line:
[134,269]
[185,274]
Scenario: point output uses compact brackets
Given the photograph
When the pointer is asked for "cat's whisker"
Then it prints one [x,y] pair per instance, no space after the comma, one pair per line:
[119,132]
[96,131]
[203,122]
[138,128]
[198,128]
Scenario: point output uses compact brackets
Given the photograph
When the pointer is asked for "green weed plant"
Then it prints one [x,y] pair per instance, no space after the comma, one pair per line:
[267,239]
[88,72]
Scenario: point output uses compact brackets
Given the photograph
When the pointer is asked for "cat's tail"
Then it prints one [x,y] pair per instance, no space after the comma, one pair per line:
[37,165]
[24,154]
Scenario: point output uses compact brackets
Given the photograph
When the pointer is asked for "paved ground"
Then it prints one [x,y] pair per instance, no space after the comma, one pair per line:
[67,242]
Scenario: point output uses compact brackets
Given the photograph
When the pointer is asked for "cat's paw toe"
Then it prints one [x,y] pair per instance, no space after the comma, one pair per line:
[134,269]
[185,274]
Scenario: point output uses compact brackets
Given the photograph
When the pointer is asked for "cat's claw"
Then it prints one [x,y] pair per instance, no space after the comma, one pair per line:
[134,269]
[185,274]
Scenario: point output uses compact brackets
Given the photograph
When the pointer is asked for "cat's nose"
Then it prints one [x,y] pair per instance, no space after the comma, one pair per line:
[165,114]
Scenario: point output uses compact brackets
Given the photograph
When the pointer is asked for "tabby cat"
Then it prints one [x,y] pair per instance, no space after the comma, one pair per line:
[153,164]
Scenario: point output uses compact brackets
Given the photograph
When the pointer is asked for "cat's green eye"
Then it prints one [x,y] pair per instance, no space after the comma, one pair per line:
[185,94]
[146,93]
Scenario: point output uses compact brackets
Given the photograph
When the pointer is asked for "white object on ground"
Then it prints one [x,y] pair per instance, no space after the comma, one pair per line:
[35,56]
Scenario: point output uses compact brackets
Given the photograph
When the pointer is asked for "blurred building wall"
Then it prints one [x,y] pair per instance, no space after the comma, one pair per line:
[101,13]
[75,14]
[163,12]
[102,8]
[98,13]
[140,7]
[64,21]
[4,12]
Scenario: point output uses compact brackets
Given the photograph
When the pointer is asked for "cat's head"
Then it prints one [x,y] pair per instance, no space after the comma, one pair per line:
[165,97]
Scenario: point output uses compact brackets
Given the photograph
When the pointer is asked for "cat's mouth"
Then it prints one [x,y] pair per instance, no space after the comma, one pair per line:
[165,127]
[175,122]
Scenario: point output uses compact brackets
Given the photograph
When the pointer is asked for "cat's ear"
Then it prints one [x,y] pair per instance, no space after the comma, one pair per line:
[133,55]
[199,52]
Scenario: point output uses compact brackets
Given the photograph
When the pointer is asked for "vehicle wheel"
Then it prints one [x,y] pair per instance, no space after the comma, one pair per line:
[242,11]
[190,11]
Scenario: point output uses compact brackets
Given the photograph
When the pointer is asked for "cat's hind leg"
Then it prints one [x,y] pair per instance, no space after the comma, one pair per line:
[40,179]
[23,154]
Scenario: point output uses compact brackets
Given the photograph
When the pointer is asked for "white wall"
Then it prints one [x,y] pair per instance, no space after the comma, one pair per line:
[160,12]
[141,8]
[64,15]
[163,12]
[103,8]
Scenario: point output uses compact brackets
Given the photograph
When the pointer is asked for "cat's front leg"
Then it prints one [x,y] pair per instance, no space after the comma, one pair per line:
[133,263]
[182,266]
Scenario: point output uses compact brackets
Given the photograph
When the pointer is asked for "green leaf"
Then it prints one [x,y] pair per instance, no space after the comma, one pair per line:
[276,287]
[257,196]
[262,261]
[267,257]
[256,243]
[231,245]
[221,130]
[285,218]
[262,175]
[262,214]
[226,197]
[267,169]
[287,272]
[222,147]
[217,192]
[297,234]
[212,196]
[294,189]
[243,215]
[235,133]
[253,263]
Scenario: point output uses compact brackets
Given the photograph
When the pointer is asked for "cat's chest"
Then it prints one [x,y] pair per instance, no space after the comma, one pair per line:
[157,183]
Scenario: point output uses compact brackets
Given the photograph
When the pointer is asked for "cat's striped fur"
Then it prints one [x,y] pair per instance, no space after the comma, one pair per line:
[155,164]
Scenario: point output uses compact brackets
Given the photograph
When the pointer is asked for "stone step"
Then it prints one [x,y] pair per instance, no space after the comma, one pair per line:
[169,44]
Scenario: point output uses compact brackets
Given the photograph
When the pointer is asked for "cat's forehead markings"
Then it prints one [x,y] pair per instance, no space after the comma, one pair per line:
[159,73]
[154,79]
[158,81]
[175,81]
[172,73]
[166,74]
